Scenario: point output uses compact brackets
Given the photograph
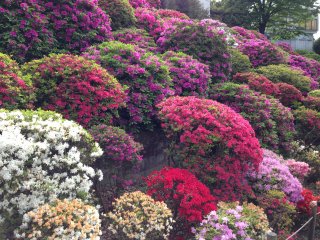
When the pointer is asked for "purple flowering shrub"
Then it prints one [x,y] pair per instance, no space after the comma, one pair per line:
[205,40]
[145,3]
[261,111]
[30,29]
[134,36]
[190,77]
[285,47]
[274,174]
[242,34]
[145,75]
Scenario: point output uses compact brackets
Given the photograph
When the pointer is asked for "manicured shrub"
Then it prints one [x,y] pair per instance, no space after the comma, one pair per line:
[242,34]
[273,174]
[204,40]
[272,131]
[190,77]
[255,217]
[285,74]
[145,74]
[298,169]
[168,13]
[78,88]
[188,198]
[312,103]
[314,93]
[257,82]
[281,213]
[239,62]
[138,216]
[31,29]
[310,67]
[14,91]
[145,3]
[120,12]
[307,122]
[309,54]
[289,96]
[43,157]
[62,219]
[286,47]
[213,141]
[137,37]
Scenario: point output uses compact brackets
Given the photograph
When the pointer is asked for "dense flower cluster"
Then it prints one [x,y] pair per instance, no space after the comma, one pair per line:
[226,224]
[257,82]
[138,216]
[304,205]
[213,141]
[43,157]
[190,77]
[78,88]
[288,94]
[62,219]
[243,35]
[310,67]
[145,74]
[205,40]
[145,3]
[273,174]
[188,198]
[257,220]
[312,102]
[137,37]
[31,29]
[14,91]
[239,62]
[286,47]
[120,12]
[280,211]
[298,169]
[168,13]
[283,73]
[259,110]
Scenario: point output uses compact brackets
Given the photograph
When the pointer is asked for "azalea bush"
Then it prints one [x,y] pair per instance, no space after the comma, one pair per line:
[213,141]
[298,169]
[77,88]
[286,47]
[257,82]
[239,62]
[274,174]
[312,103]
[145,75]
[145,3]
[259,110]
[289,96]
[15,92]
[314,93]
[169,13]
[31,29]
[120,12]
[137,216]
[62,219]
[243,35]
[285,74]
[309,54]
[134,36]
[303,206]
[190,77]
[43,157]
[205,40]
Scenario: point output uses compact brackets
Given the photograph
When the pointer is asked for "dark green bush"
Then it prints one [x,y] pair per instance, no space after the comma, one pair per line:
[239,62]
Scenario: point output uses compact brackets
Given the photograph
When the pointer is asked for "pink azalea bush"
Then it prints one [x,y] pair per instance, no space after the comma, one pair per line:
[76,87]
[205,40]
[145,3]
[213,141]
[242,34]
[190,77]
[30,29]
[286,47]
[298,169]
[312,103]
[145,75]
[274,174]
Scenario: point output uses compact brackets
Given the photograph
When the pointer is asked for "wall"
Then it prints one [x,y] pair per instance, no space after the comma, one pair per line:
[301,42]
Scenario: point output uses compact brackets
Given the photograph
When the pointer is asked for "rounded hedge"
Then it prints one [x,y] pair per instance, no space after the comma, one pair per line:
[145,75]
[76,87]
[309,54]
[31,29]
[289,96]
[120,12]
[204,40]
[258,109]
[285,74]
[314,93]
[190,77]
[239,62]
[213,141]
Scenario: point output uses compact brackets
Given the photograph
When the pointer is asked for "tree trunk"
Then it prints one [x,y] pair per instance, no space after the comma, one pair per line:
[262,27]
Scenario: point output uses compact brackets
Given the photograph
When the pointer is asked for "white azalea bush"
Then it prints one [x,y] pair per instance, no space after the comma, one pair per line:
[42,157]
[62,219]
[137,216]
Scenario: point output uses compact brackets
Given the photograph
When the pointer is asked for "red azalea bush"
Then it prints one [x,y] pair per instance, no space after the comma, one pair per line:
[190,77]
[307,122]
[146,76]
[258,109]
[184,194]
[257,82]
[289,96]
[78,88]
[120,12]
[312,103]
[30,29]
[135,36]
[303,206]
[145,3]
[213,141]
[14,91]
[205,40]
